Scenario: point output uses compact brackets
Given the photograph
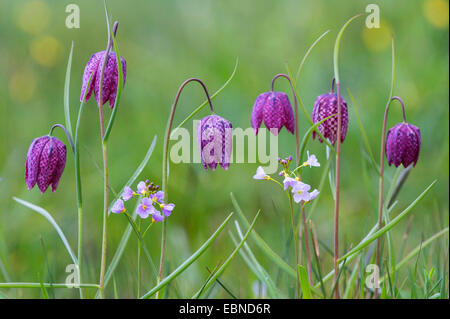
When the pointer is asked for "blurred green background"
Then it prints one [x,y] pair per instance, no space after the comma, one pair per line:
[165,42]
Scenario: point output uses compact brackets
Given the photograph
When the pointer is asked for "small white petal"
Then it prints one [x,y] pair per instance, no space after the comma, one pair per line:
[260,174]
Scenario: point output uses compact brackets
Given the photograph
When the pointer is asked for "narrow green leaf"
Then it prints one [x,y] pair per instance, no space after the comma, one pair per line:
[307,54]
[304,283]
[416,250]
[188,261]
[336,48]
[364,135]
[351,283]
[47,216]
[226,263]
[119,91]
[261,243]
[273,290]
[224,287]
[66,93]
[389,226]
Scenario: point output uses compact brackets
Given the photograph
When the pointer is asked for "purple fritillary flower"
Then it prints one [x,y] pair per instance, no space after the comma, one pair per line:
[275,110]
[145,208]
[300,191]
[167,209]
[118,207]
[110,77]
[45,163]
[325,106]
[128,193]
[215,141]
[142,188]
[403,144]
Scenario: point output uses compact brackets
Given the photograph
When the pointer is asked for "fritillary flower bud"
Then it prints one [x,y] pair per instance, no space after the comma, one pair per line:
[110,77]
[325,106]
[275,110]
[215,141]
[403,144]
[45,163]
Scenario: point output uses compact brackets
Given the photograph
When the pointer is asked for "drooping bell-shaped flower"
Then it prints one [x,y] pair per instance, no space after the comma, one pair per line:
[215,141]
[110,77]
[325,106]
[45,163]
[275,110]
[403,144]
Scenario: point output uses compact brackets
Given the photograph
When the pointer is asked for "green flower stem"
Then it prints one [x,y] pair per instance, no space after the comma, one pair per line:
[165,177]
[105,175]
[308,252]
[75,150]
[78,186]
[104,152]
[297,139]
[338,157]
[296,244]
[139,261]
[382,146]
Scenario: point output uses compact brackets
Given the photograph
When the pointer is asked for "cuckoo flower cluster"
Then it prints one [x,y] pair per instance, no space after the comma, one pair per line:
[151,201]
[292,180]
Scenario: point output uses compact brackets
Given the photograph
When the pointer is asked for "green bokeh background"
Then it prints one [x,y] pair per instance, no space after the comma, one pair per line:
[165,42]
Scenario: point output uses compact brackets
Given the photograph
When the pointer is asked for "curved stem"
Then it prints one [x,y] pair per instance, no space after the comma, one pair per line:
[380,186]
[69,138]
[165,177]
[403,106]
[76,155]
[333,82]
[297,140]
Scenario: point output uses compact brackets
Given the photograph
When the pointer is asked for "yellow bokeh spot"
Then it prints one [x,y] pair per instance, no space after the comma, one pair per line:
[22,85]
[436,12]
[46,50]
[33,17]
[377,39]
